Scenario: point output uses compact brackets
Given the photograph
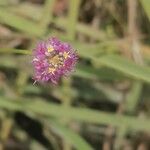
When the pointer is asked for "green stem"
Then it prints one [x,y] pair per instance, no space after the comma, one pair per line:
[73,18]
[47,14]
[17,51]
[66,103]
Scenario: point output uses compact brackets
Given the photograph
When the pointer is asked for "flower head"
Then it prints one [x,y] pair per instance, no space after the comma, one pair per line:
[53,59]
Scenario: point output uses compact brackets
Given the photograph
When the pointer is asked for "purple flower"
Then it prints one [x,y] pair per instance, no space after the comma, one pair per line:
[53,59]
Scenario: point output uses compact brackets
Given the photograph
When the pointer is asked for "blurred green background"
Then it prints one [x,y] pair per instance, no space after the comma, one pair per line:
[104,104]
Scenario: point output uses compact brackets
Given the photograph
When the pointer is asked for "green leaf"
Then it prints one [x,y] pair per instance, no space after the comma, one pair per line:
[146,6]
[92,73]
[20,23]
[133,96]
[73,18]
[82,28]
[47,13]
[31,7]
[125,66]
[70,136]
[80,114]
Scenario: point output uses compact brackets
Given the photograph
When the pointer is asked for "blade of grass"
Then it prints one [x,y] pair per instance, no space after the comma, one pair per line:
[119,138]
[16,51]
[72,18]
[82,28]
[146,6]
[133,96]
[80,114]
[70,136]
[60,21]
[47,13]
[127,67]
[34,11]
[109,92]
[20,23]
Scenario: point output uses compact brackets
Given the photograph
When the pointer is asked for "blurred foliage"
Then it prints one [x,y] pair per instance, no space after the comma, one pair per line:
[104,104]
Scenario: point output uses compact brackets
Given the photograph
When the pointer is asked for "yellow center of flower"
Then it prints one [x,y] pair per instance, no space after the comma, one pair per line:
[57,60]
[54,60]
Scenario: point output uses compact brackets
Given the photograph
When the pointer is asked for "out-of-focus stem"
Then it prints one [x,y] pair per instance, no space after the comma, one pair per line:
[73,18]
[66,103]
[17,51]
[133,31]
[47,13]
[5,131]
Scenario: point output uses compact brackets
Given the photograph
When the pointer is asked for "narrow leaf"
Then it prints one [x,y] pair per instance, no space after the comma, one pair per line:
[70,136]
[80,114]
[146,6]
[20,23]
[127,67]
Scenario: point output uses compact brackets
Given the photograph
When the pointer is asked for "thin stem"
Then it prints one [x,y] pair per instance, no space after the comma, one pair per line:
[5,131]
[17,51]
[73,18]
[47,14]
[66,103]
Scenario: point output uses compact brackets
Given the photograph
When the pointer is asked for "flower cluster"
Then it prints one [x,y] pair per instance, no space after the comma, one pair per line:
[53,59]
